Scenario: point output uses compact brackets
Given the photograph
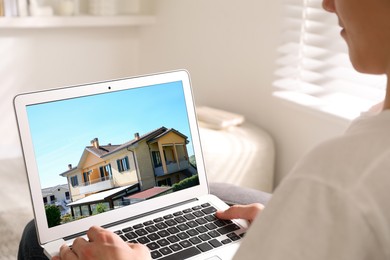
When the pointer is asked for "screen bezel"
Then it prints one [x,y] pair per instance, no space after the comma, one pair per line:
[21,102]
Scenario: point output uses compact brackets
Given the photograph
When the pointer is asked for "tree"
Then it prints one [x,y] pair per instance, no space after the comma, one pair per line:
[53,215]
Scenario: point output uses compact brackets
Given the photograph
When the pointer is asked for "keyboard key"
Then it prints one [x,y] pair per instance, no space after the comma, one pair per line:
[153,237]
[170,222]
[228,229]
[180,219]
[205,237]
[192,224]
[143,240]
[187,210]
[183,235]
[226,241]
[128,229]
[197,207]
[185,243]
[138,226]
[163,233]
[189,216]
[195,240]
[151,229]
[209,210]
[173,239]
[215,243]
[163,242]
[156,220]
[141,232]
[131,235]
[213,233]
[219,223]
[153,246]
[173,230]
[182,227]
[198,214]
[204,247]
[201,221]
[211,226]
[161,225]
[201,229]
[179,213]
[148,223]
[118,232]
[192,232]
[155,254]
[210,218]
[168,216]
[205,205]
[233,237]
[175,247]
[165,250]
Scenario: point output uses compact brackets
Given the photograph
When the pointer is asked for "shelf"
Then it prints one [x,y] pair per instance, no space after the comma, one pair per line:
[75,21]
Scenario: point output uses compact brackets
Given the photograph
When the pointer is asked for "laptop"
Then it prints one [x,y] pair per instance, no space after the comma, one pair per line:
[126,155]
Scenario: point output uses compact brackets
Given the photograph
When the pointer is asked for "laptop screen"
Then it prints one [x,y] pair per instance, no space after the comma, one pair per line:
[106,151]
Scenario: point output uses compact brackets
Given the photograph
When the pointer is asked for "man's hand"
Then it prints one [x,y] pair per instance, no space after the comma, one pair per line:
[102,244]
[247,212]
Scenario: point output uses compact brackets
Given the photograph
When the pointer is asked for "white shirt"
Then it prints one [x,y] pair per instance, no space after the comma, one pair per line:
[335,204]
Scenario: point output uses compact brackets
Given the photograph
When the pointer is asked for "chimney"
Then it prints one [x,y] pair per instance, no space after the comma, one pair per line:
[136,136]
[95,143]
[70,166]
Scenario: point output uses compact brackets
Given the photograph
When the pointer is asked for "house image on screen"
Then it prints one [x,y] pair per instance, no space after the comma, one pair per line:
[58,195]
[109,173]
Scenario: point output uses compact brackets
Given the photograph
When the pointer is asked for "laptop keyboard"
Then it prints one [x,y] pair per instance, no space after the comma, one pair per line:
[182,234]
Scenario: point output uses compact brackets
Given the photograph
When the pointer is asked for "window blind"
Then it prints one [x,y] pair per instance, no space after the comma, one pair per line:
[313,67]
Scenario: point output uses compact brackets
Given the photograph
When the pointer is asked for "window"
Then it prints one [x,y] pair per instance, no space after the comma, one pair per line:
[85,177]
[74,181]
[123,164]
[67,195]
[165,182]
[52,198]
[105,171]
[156,158]
[45,200]
[313,65]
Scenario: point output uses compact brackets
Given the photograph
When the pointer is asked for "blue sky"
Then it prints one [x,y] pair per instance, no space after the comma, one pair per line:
[61,130]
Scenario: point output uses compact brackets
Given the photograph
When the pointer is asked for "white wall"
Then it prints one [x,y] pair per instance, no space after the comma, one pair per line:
[229,48]
[33,59]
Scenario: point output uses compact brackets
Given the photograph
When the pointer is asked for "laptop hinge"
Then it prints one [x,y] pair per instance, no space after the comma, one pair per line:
[133,218]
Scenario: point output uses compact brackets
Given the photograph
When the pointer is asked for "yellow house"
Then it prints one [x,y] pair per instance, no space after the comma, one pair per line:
[157,158]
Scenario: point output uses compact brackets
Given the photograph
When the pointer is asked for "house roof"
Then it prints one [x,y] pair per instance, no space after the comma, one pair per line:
[101,196]
[149,193]
[50,190]
[106,150]
[165,133]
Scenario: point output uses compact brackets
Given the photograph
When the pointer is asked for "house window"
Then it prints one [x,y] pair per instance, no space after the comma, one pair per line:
[74,181]
[123,164]
[156,158]
[45,200]
[67,195]
[52,198]
[105,171]
[85,177]
[165,182]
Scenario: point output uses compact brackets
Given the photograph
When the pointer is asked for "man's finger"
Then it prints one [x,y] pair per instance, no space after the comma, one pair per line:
[247,212]
[94,232]
[78,244]
[66,253]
